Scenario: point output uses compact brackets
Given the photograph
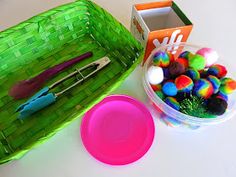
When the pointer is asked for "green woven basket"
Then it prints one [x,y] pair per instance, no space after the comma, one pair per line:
[49,39]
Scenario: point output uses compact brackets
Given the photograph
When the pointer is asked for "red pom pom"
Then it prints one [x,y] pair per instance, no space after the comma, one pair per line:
[183,61]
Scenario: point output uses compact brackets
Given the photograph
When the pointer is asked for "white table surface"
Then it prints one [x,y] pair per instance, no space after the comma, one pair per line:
[207,153]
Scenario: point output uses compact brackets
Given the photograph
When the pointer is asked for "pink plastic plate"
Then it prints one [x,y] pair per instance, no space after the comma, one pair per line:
[119,130]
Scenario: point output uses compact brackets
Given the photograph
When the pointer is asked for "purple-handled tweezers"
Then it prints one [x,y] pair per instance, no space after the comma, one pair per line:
[26,88]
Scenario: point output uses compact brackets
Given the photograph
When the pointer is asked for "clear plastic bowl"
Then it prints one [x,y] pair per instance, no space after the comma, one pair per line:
[172,117]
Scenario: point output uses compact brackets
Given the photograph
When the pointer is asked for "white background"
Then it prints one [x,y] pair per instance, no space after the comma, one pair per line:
[206,153]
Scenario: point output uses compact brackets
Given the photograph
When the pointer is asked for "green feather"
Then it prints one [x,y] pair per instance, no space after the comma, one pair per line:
[195,106]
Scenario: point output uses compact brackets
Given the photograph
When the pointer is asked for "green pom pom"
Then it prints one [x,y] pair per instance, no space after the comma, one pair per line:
[160,94]
[197,62]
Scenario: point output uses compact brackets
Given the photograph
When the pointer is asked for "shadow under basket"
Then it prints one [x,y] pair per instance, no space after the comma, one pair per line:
[49,39]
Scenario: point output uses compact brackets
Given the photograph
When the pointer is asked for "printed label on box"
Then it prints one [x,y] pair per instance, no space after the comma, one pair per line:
[159,23]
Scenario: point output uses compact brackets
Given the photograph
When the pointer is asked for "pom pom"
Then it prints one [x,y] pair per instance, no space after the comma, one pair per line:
[155,75]
[166,73]
[161,59]
[203,73]
[182,95]
[217,106]
[168,80]
[217,70]
[203,88]
[228,85]
[193,74]
[184,83]
[183,61]
[169,89]
[226,80]
[171,56]
[215,83]
[186,54]
[172,102]
[176,69]
[157,87]
[209,54]
[197,62]
[221,96]
[160,94]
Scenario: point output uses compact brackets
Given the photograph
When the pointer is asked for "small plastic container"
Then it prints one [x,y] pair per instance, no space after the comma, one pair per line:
[172,117]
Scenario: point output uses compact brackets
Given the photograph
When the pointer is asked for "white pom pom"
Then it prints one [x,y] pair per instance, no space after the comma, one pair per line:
[155,75]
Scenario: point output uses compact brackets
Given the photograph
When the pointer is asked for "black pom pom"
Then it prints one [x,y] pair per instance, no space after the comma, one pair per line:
[217,106]
[182,95]
[204,74]
[176,69]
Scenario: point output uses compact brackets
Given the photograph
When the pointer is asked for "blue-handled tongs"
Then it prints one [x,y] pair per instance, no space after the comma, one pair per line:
[43,98]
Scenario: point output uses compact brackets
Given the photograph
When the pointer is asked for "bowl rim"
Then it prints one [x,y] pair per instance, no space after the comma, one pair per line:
[175,113]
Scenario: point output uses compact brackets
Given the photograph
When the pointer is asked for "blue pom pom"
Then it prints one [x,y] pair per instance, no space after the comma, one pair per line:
[169,89]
